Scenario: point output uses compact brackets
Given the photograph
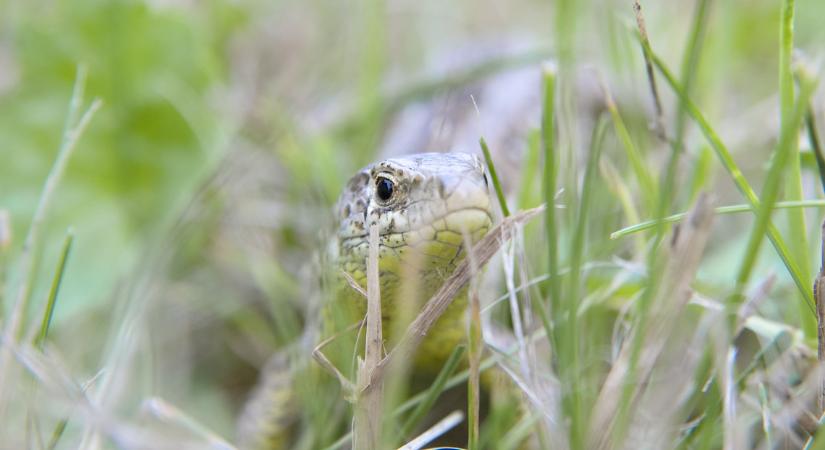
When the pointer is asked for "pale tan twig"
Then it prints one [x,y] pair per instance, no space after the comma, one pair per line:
[369,404]
[318,355]
[353,284]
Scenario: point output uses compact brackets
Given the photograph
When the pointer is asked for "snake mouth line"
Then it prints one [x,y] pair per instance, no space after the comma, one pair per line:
[429,224]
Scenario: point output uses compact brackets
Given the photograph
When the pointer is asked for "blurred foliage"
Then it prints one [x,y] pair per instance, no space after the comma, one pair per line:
[159,72]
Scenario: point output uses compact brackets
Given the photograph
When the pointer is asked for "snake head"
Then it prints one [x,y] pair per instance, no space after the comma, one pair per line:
[417,196]
[428,203]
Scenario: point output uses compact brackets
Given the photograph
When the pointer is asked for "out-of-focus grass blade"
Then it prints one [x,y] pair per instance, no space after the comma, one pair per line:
[568,336]
[732,209]
[548,141]
[701,172]
[519,433]
[789,134]
[431,395]
[476,346]
[766,412]
[496,183]
[785,150]
[623,193]
[643,176]
[529,171]
[690,65]
[58,277]
[813,136]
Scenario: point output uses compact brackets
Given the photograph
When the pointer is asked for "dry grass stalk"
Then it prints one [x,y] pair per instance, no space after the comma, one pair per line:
[169,413]
[354,284]
[326,364]
[5,230]
[674,292]
[441,427]
[651,78]
[368,408]
[819,296]
[476,345]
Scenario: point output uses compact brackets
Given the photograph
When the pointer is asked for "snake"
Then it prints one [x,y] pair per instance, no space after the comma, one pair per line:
[428,208]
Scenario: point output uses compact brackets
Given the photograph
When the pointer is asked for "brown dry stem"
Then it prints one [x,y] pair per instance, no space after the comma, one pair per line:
[368,407]
[659,123]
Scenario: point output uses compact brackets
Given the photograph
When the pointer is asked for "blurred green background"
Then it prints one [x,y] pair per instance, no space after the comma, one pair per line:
[201,189]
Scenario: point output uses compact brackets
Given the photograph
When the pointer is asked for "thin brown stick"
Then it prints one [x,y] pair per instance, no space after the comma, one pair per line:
[325,363]
[438,303]
[353,284]
[659,123]
[369,404]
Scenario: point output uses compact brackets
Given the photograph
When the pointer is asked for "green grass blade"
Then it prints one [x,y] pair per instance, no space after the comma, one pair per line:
[569,351]
[786,150]
[690,65]
[793,178]
[813,136]
[55,288]
[732,209]
[646,181]
[57,434]
[550,171]
[496,183]
[431,395]
[529,171]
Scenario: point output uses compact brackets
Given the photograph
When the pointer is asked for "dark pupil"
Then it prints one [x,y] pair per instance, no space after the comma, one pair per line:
[383,187]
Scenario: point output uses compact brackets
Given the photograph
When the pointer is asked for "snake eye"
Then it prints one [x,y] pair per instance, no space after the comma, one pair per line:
[384,188]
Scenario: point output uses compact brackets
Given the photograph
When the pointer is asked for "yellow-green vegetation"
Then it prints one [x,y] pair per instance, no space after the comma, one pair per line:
[168,175]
